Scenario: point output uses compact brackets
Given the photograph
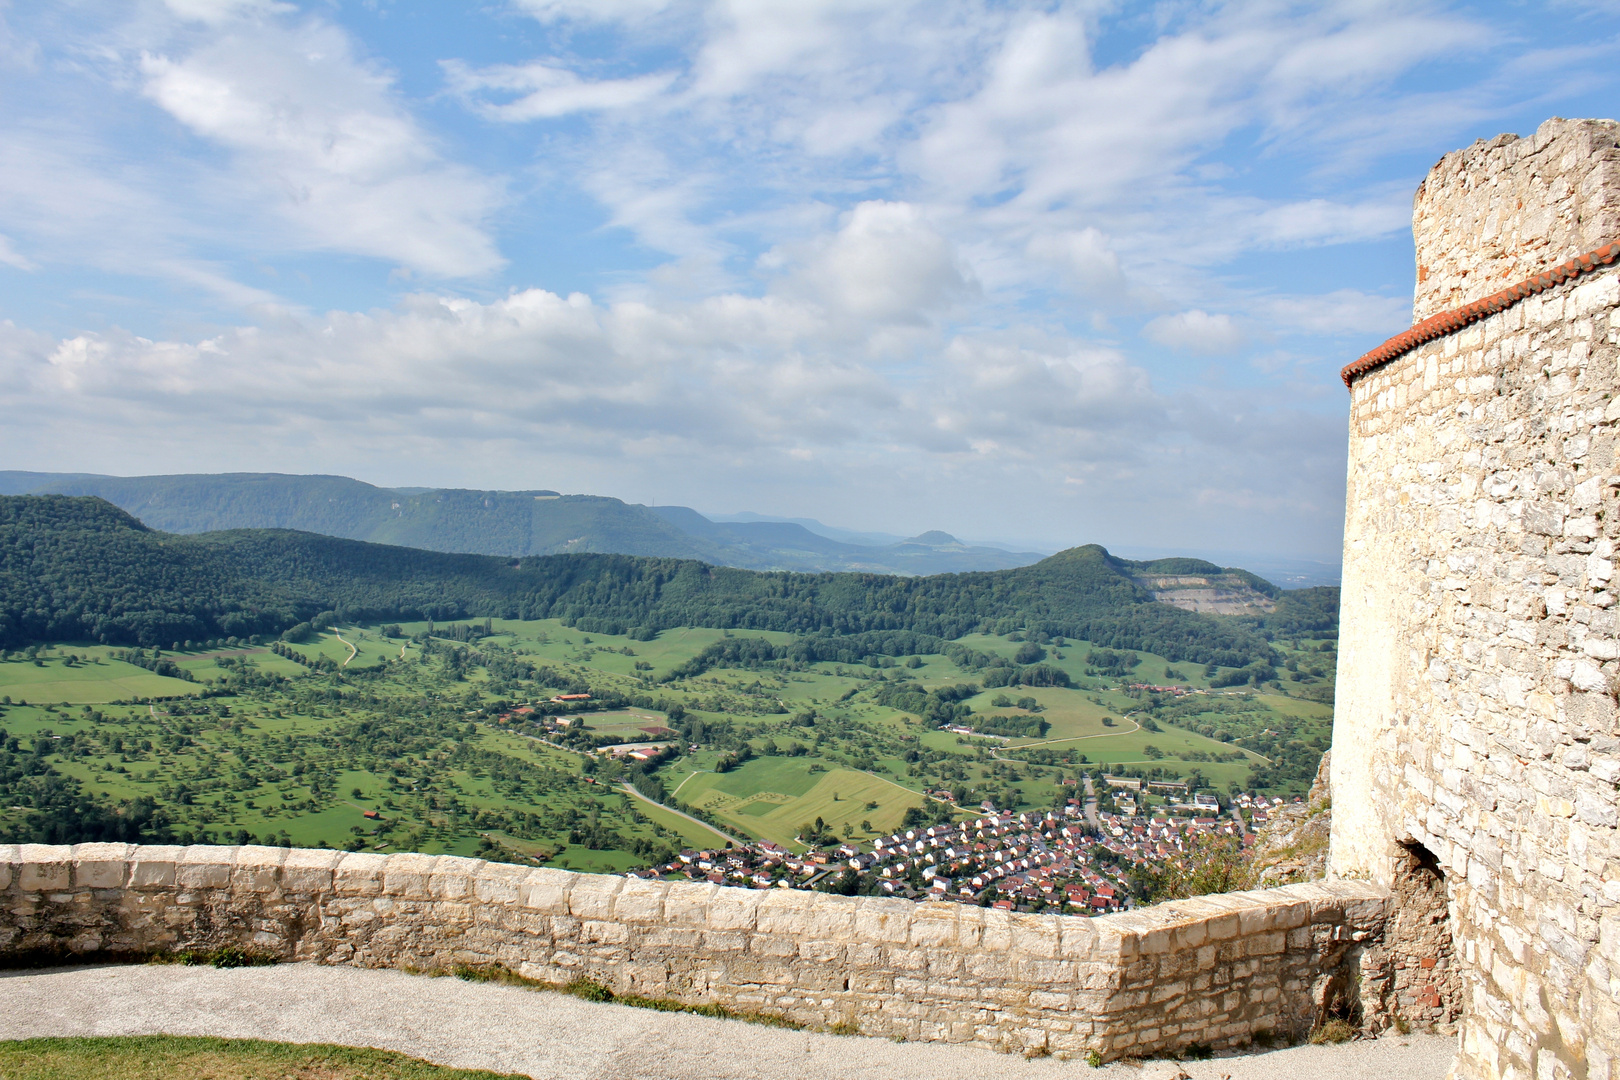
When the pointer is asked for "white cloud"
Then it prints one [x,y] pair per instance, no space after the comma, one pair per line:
[1343,311]
[1196,331]
[1084,255]
[736,395]
[885,264]
[215,12]
[599,11]
[320,139]
[10,256]
[545,92]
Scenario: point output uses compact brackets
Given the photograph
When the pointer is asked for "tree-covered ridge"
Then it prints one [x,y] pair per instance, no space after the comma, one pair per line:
[78,568]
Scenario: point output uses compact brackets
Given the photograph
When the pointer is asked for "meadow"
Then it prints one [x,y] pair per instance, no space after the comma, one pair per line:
[413,725]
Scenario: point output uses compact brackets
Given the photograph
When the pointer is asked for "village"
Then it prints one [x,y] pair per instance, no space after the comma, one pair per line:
[1074,860]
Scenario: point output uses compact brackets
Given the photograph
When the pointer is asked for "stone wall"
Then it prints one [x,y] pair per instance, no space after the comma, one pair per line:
[1499,211]
[1476,732]
[1217,971]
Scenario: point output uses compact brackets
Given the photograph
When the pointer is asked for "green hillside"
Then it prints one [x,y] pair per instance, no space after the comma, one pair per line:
[76,568]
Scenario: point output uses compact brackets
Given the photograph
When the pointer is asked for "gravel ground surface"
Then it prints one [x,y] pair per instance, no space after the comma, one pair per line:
[546,1035]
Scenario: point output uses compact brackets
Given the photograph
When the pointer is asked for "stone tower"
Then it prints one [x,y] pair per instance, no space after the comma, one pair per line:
[1476,751]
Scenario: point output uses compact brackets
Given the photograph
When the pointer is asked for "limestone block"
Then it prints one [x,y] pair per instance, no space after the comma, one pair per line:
[591,896]
[257,869]
[996,932]
[831,952]
[1078,939]
[101,866]
[773,945]
[883,919]
[360,874]
[1034,936]
[306,870]
[493,884]
[732,909]
[785,911]
[934,926]
[457,878]
[603,932]
[405,876]
[831,917]
[45,867]
[670,940]
[688,903]
[719,941]
[640,901]
[546,890]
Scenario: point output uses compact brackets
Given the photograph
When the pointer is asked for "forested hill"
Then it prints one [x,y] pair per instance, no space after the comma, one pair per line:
[77,568]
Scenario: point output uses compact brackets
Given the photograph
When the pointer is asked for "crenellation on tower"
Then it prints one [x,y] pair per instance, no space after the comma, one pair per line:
[1509,207]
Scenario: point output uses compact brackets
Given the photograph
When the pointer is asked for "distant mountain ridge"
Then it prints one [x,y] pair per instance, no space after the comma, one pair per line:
[511,523]
[80,569]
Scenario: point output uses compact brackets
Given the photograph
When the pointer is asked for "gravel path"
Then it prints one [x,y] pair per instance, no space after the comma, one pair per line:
[547,1035]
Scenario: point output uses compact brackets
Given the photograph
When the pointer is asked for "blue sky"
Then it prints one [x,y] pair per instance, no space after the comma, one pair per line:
[1043,271]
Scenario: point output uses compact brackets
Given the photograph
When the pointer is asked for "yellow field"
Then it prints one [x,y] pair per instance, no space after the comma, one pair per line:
[772,798]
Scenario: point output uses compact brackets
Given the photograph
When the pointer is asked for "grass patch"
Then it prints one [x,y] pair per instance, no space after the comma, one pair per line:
[588,989]
[160,1057]
[1334,1031]
[226,956]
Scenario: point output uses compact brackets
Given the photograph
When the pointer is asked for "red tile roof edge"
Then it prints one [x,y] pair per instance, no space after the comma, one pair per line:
[1446,322]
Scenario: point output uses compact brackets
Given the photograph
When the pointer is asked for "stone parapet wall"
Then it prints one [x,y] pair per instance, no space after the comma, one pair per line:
[1499,211]
[1216,971]
[1476,730]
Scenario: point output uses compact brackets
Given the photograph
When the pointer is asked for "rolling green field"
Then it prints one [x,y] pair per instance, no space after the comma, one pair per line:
[294,744]
[97,679]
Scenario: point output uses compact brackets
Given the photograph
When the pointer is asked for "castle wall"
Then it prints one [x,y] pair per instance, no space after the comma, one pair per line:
[1499,211]
[1476,723]
[1217,971]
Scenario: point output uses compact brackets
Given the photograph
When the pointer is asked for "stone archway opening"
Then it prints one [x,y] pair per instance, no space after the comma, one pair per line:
[1425,989]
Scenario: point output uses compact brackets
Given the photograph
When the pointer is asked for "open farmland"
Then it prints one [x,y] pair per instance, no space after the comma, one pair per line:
[443,738]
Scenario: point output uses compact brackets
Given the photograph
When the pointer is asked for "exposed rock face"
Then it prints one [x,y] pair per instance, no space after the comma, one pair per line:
[1293,846]
[1214,595]
[1476,745]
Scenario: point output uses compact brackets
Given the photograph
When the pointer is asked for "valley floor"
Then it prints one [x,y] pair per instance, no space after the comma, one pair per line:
[510,1029]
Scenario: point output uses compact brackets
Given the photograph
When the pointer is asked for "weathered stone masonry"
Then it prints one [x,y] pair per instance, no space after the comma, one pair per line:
[1477,741]
[1216,971]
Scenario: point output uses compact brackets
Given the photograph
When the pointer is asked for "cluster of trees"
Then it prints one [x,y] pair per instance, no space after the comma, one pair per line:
[317,663]
[1017,727]
[1034,675]
[876,649]
[1111,662]
[78,568]
[57,810]
[155,662]
[937,707]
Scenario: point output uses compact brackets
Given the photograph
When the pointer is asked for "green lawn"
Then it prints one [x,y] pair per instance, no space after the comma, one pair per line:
[161,1057]
[52,680]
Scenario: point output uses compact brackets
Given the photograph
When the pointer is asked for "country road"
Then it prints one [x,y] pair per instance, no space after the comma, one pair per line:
[628,790]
